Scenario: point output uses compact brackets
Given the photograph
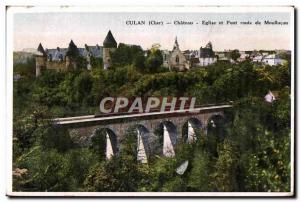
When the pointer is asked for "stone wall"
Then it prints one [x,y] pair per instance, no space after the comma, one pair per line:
[106,57]
[56,65]
[42,64]
[180,64]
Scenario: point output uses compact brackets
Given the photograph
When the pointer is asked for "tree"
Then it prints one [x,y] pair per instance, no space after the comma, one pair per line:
[76,59]
[57,138]
[127,55]
[224,176]
[199,177]
[50,170]
[73,51]
[26,69]
[154,60]
[83,84]
[235,54]
[120,173]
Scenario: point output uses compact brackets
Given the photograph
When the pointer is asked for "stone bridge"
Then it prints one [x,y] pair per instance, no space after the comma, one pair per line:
[173,126]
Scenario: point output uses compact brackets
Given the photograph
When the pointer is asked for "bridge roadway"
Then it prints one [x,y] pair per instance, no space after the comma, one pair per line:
[113,116]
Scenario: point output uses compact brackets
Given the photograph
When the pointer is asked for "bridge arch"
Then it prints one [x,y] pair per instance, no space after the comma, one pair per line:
[191,129]
[215,132]
[167,135]
[216,126]
[104,142]
[145,142]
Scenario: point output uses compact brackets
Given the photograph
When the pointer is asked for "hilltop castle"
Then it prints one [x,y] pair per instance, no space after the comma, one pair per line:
[64,59]
[61,59]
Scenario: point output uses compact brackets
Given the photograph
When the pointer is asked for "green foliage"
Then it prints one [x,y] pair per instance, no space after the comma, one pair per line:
[73,51]
[83,84]
[199,178]
[25,126]
[98,144]
[162,174]
[153,61]
[248,152]
[234,54]
[268,167]
[224,176]
[52,171]
[127,55]
[26,69]
[120,173]
[52,137]
[96,63]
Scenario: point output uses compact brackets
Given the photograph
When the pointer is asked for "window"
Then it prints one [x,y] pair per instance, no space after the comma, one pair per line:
[177,59]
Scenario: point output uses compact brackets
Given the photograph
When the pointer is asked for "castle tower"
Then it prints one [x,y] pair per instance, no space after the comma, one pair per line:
[109,45]
[40,60]
[71,55]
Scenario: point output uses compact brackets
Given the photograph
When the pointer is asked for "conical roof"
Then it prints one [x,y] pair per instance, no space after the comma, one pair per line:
[109,41]
[41,49]
[72,44]
[72,51]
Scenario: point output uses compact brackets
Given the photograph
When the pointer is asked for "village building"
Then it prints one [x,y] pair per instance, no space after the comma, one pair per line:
[207,55]
[222,56]
[257,58]
[184,60]
[175,59]
[272,60]
[58,58]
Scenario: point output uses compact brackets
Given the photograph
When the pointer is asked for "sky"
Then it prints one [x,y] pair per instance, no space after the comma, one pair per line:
[56,29]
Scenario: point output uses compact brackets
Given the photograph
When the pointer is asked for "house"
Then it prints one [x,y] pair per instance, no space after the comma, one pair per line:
[222,56]
[257,58]
[207,55]
[272,60]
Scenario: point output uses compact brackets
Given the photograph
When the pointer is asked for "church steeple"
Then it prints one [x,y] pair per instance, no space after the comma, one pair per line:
[176,45]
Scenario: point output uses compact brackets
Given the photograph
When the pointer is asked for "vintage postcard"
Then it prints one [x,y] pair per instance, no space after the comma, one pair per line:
[171,101]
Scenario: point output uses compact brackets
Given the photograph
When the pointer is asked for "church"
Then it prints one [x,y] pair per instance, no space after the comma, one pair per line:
[175,59]
[185,60]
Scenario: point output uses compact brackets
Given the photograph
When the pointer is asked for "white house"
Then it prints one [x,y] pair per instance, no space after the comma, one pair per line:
[272,60]
[257,58]
[207,55]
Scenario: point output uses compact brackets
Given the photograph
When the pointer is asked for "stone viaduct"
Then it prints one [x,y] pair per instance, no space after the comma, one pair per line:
[82,128]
